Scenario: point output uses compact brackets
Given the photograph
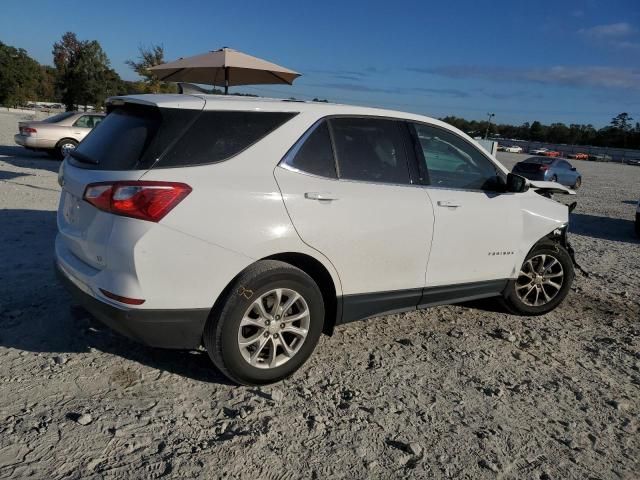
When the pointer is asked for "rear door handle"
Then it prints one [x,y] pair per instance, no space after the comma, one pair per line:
[320,196]
[448,203]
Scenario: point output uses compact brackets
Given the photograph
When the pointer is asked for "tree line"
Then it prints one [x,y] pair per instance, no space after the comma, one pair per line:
[81,75]
[620,133]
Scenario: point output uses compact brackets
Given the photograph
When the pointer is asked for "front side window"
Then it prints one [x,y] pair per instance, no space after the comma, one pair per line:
[370,150]
[451,161]
[316,155]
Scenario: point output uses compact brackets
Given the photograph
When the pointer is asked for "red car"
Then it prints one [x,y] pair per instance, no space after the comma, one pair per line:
[551,153]
[579,156]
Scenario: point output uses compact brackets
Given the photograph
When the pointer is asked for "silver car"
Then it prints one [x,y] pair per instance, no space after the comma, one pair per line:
[57,135]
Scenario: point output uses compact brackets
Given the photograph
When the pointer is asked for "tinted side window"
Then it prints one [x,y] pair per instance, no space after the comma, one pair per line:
[451,161]
[219,135]
[370,150]
[96,121]
[316,154]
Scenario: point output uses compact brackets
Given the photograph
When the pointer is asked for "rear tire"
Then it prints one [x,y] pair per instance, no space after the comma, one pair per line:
[543,283]
[249,336]
[554,178]
[65,146]
[578,183]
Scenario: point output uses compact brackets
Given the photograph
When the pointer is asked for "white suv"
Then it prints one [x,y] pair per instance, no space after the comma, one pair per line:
[253,225]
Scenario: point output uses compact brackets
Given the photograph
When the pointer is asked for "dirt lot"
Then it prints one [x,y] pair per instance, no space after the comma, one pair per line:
[457,391]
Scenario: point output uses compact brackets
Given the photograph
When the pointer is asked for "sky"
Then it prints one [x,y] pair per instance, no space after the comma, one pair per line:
[551,61]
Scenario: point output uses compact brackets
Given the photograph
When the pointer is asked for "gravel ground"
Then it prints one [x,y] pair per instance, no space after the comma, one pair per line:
[454,391]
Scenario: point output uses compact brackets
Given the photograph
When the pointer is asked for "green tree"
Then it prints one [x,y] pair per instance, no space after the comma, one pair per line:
[83,75]
[150,57]
[622,122]
[19,76]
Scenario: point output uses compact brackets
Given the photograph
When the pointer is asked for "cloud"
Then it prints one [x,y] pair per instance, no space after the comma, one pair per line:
[608,31]
[342,73]
[626,44]
[568,76]
[448,92]
[358,87]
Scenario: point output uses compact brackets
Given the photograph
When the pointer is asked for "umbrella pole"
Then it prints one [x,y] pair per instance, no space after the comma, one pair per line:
[226,80]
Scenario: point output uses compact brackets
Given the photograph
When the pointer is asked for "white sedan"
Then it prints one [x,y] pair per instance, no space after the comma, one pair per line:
[513,149]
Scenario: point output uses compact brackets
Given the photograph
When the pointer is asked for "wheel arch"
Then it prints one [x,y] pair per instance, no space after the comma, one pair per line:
[312,267]
[321,275]
[59,142]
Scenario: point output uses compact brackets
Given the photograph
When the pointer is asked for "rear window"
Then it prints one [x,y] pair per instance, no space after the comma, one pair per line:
[58,118]
[136,137]
[539,160]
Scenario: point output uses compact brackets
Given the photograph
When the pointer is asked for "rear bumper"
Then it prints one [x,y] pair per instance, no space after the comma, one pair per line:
[181,329]
[32,142]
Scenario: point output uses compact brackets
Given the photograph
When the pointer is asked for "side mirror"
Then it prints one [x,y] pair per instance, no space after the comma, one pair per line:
[573,169]
[516,183]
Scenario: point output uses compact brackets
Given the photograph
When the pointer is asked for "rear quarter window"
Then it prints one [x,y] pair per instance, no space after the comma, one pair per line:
[219,135]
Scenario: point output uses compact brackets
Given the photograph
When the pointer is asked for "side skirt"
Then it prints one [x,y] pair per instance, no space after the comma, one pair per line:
[367,305]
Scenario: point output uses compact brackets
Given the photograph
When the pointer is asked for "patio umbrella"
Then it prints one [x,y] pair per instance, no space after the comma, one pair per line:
[225,67]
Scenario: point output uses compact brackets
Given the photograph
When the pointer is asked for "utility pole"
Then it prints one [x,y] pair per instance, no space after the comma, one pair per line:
[490,115]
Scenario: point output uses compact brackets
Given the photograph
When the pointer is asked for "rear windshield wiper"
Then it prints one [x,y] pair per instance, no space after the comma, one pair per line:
[83,158]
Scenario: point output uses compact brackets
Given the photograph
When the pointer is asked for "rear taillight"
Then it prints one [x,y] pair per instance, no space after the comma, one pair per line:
[145,200]
[28,130]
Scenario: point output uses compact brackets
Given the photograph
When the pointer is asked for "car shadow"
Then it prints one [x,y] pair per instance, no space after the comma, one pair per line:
[37,314]
[21,157]
[606,228]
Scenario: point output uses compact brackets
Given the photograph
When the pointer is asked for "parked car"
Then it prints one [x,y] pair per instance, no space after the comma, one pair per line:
[633,161]
[551,153]
[57,135]
[549,169]
[578,156]
[267,222]
[513,149]
[538,151]
[599,158]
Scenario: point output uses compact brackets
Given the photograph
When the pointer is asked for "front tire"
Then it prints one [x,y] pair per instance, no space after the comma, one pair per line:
[268,324]
[578,183]
[544,281]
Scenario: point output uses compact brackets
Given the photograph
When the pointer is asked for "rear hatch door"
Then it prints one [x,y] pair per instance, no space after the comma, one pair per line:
[124,146]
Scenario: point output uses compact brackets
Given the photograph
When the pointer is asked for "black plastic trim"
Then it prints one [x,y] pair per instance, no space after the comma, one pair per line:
[462,292]
[367,305]
[180,329]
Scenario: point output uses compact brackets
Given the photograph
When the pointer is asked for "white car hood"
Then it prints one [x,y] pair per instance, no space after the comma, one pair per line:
[554,187]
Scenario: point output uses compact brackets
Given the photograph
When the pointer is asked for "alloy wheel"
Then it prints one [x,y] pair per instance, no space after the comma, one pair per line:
[67,148]
[540,280]
[274,328]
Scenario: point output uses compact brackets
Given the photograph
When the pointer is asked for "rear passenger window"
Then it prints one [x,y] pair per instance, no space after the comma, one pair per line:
[316,155]
[370,150]
[219,135]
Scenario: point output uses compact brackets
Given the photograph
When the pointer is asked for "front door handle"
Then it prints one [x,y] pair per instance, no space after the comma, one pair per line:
[448,203]
[320,196]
